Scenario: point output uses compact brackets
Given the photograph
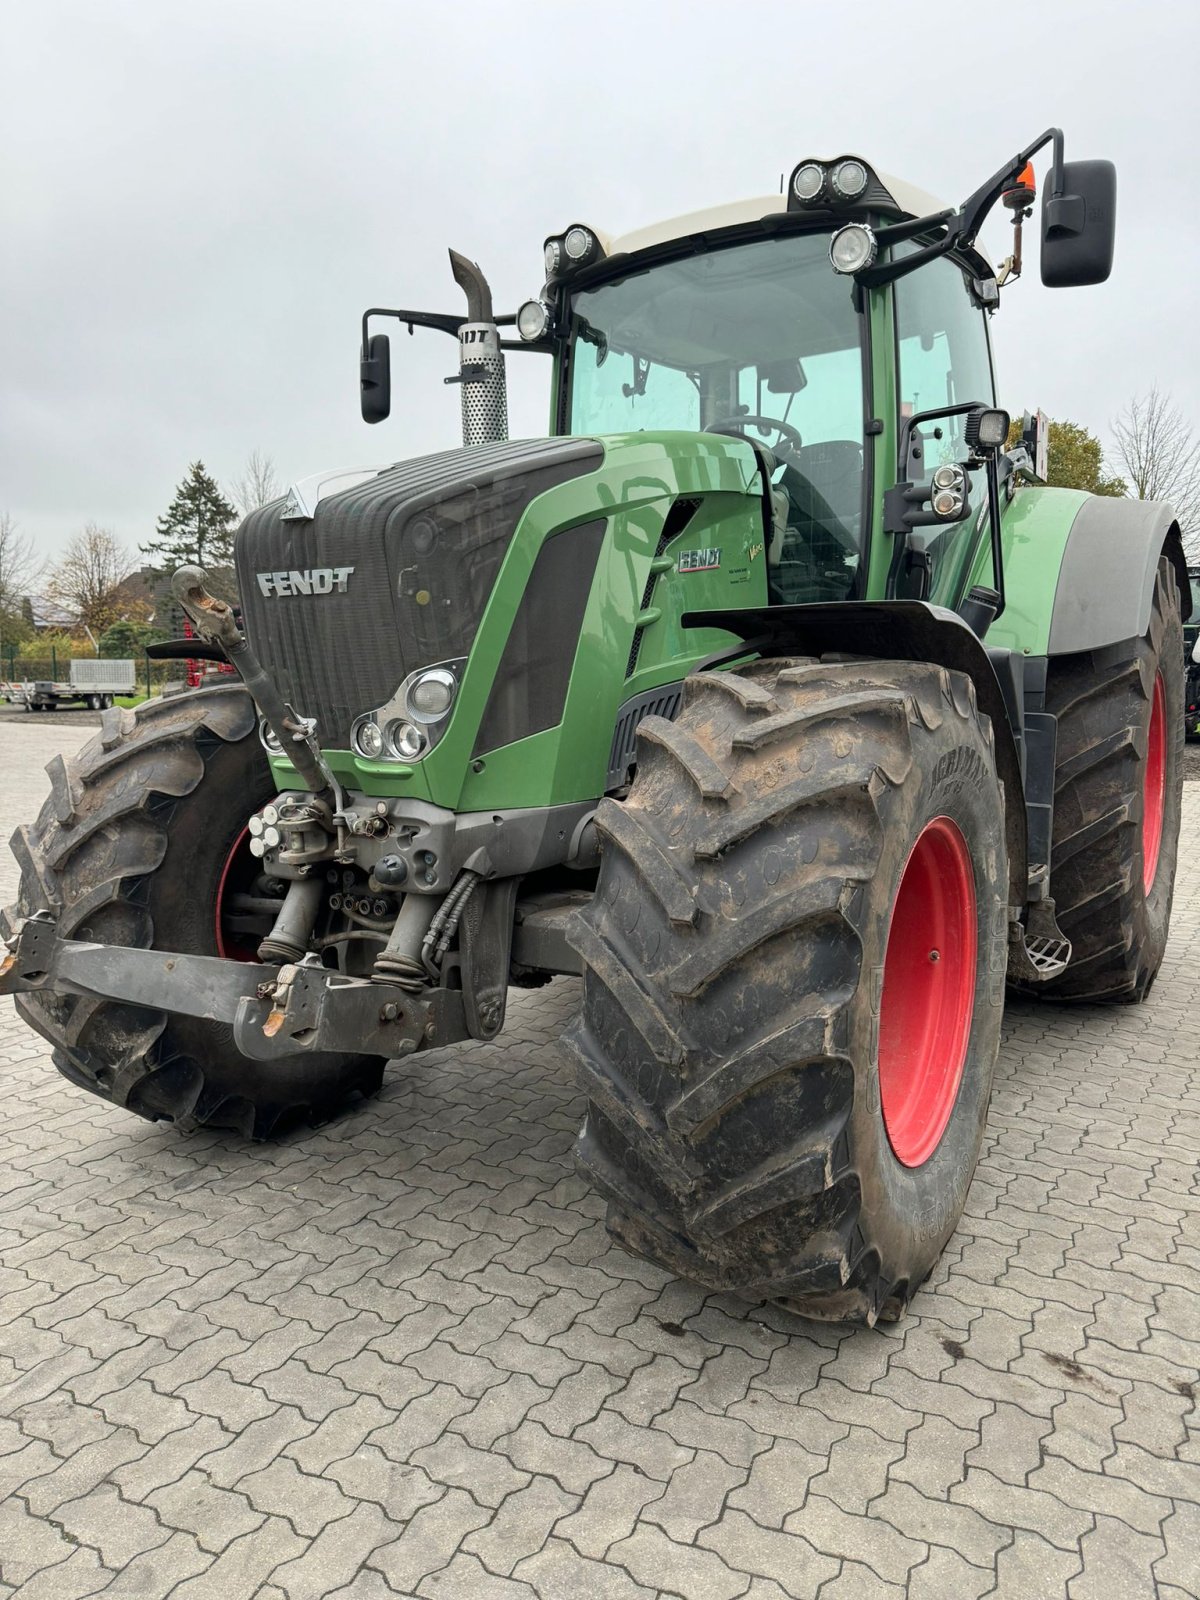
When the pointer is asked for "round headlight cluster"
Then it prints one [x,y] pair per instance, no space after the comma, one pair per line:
[412,721]
[853,248]
[949,492]
[839,182]
[577,247]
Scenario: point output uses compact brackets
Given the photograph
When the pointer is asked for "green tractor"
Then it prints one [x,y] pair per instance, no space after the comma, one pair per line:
[770,693]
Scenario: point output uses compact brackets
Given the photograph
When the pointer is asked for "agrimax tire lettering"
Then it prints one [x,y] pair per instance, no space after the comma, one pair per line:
[957,769]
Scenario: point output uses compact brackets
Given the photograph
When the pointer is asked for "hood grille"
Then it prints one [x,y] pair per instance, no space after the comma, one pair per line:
[424,539]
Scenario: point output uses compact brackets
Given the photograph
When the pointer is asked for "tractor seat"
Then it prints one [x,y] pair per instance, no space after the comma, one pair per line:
[832,473]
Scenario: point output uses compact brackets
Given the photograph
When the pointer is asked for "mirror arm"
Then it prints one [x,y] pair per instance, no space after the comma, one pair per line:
[422,319]
[963,225]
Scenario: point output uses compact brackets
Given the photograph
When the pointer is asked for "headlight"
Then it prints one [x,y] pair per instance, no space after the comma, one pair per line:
[430,695]
[553,255]
[533,321]
[579,242]
[849,179]
[408,742]
[949,492]
[368,740]
[808,182]
[852,248]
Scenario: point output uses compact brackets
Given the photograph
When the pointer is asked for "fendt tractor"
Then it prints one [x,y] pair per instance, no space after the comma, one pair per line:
[774,693]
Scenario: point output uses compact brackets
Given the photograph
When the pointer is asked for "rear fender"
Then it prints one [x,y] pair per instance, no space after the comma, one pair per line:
[901,630]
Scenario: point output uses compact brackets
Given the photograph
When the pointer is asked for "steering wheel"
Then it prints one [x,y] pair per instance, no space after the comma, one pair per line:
[738,425]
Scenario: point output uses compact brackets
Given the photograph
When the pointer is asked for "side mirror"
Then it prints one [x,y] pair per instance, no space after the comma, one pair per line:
[375,379]
[1079,224]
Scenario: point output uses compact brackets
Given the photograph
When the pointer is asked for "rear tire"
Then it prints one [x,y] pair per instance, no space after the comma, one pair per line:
[735,957]
[1113,908]
[131,849]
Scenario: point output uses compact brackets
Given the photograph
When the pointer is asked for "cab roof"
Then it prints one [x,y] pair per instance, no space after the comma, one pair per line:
[910,200]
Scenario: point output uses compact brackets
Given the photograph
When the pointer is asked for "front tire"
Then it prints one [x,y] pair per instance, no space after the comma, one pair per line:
[134,847]
[747,958]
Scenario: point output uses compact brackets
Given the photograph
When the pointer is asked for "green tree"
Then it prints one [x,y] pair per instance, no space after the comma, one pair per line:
[197,528]
[1076,460]
[128,639]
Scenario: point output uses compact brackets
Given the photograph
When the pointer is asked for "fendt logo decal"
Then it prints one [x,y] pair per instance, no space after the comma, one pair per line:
[313,580]
[698,560]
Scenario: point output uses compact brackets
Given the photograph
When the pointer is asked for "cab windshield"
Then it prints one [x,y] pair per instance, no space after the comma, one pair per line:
[761,340]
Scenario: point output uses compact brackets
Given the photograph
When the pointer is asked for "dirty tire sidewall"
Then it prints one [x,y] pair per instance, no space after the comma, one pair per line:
[733,959]
[910,1212]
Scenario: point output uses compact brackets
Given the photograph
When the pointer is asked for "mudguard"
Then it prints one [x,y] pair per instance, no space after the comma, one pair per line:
[1106,578]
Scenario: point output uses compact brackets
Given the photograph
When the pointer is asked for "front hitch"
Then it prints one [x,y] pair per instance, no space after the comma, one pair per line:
[273,1011]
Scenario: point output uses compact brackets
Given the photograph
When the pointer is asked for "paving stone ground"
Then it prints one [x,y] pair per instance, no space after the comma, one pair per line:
[398,1356]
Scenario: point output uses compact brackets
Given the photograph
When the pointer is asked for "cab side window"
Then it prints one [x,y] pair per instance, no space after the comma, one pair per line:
[944,356]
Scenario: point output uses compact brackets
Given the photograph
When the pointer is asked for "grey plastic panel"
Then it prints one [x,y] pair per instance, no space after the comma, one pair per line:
[1106,581]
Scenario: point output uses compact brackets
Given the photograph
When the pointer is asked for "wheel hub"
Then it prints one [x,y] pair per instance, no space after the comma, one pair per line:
[1154,785]
[928,999]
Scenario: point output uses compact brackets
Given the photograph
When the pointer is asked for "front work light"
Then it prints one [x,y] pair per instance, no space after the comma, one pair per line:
[579,243]
[848,179]
[853,248]
[808,182]
[987,429]
[533,321]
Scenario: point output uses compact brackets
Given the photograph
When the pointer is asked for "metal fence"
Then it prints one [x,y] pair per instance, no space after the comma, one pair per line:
[21,664]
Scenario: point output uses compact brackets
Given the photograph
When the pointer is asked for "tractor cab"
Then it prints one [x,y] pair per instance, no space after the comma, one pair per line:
[839,328]
[743,322]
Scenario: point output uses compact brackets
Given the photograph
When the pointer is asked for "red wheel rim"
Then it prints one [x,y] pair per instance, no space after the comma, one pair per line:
[237,874]
[928,992]
[1155,785]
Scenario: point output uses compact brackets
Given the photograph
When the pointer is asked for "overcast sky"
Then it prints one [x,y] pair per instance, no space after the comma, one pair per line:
[199,199]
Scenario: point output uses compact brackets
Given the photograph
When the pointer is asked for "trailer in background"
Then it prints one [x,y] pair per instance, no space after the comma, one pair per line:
[92,683]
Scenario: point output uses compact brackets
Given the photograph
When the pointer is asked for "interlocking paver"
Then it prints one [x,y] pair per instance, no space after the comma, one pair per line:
[397,1356]
[521,1525]
[214,1517]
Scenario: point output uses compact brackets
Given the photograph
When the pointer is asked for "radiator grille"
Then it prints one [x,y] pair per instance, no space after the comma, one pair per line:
[425,540]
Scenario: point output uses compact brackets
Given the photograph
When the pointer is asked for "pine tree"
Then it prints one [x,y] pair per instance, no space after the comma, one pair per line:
[197,528]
